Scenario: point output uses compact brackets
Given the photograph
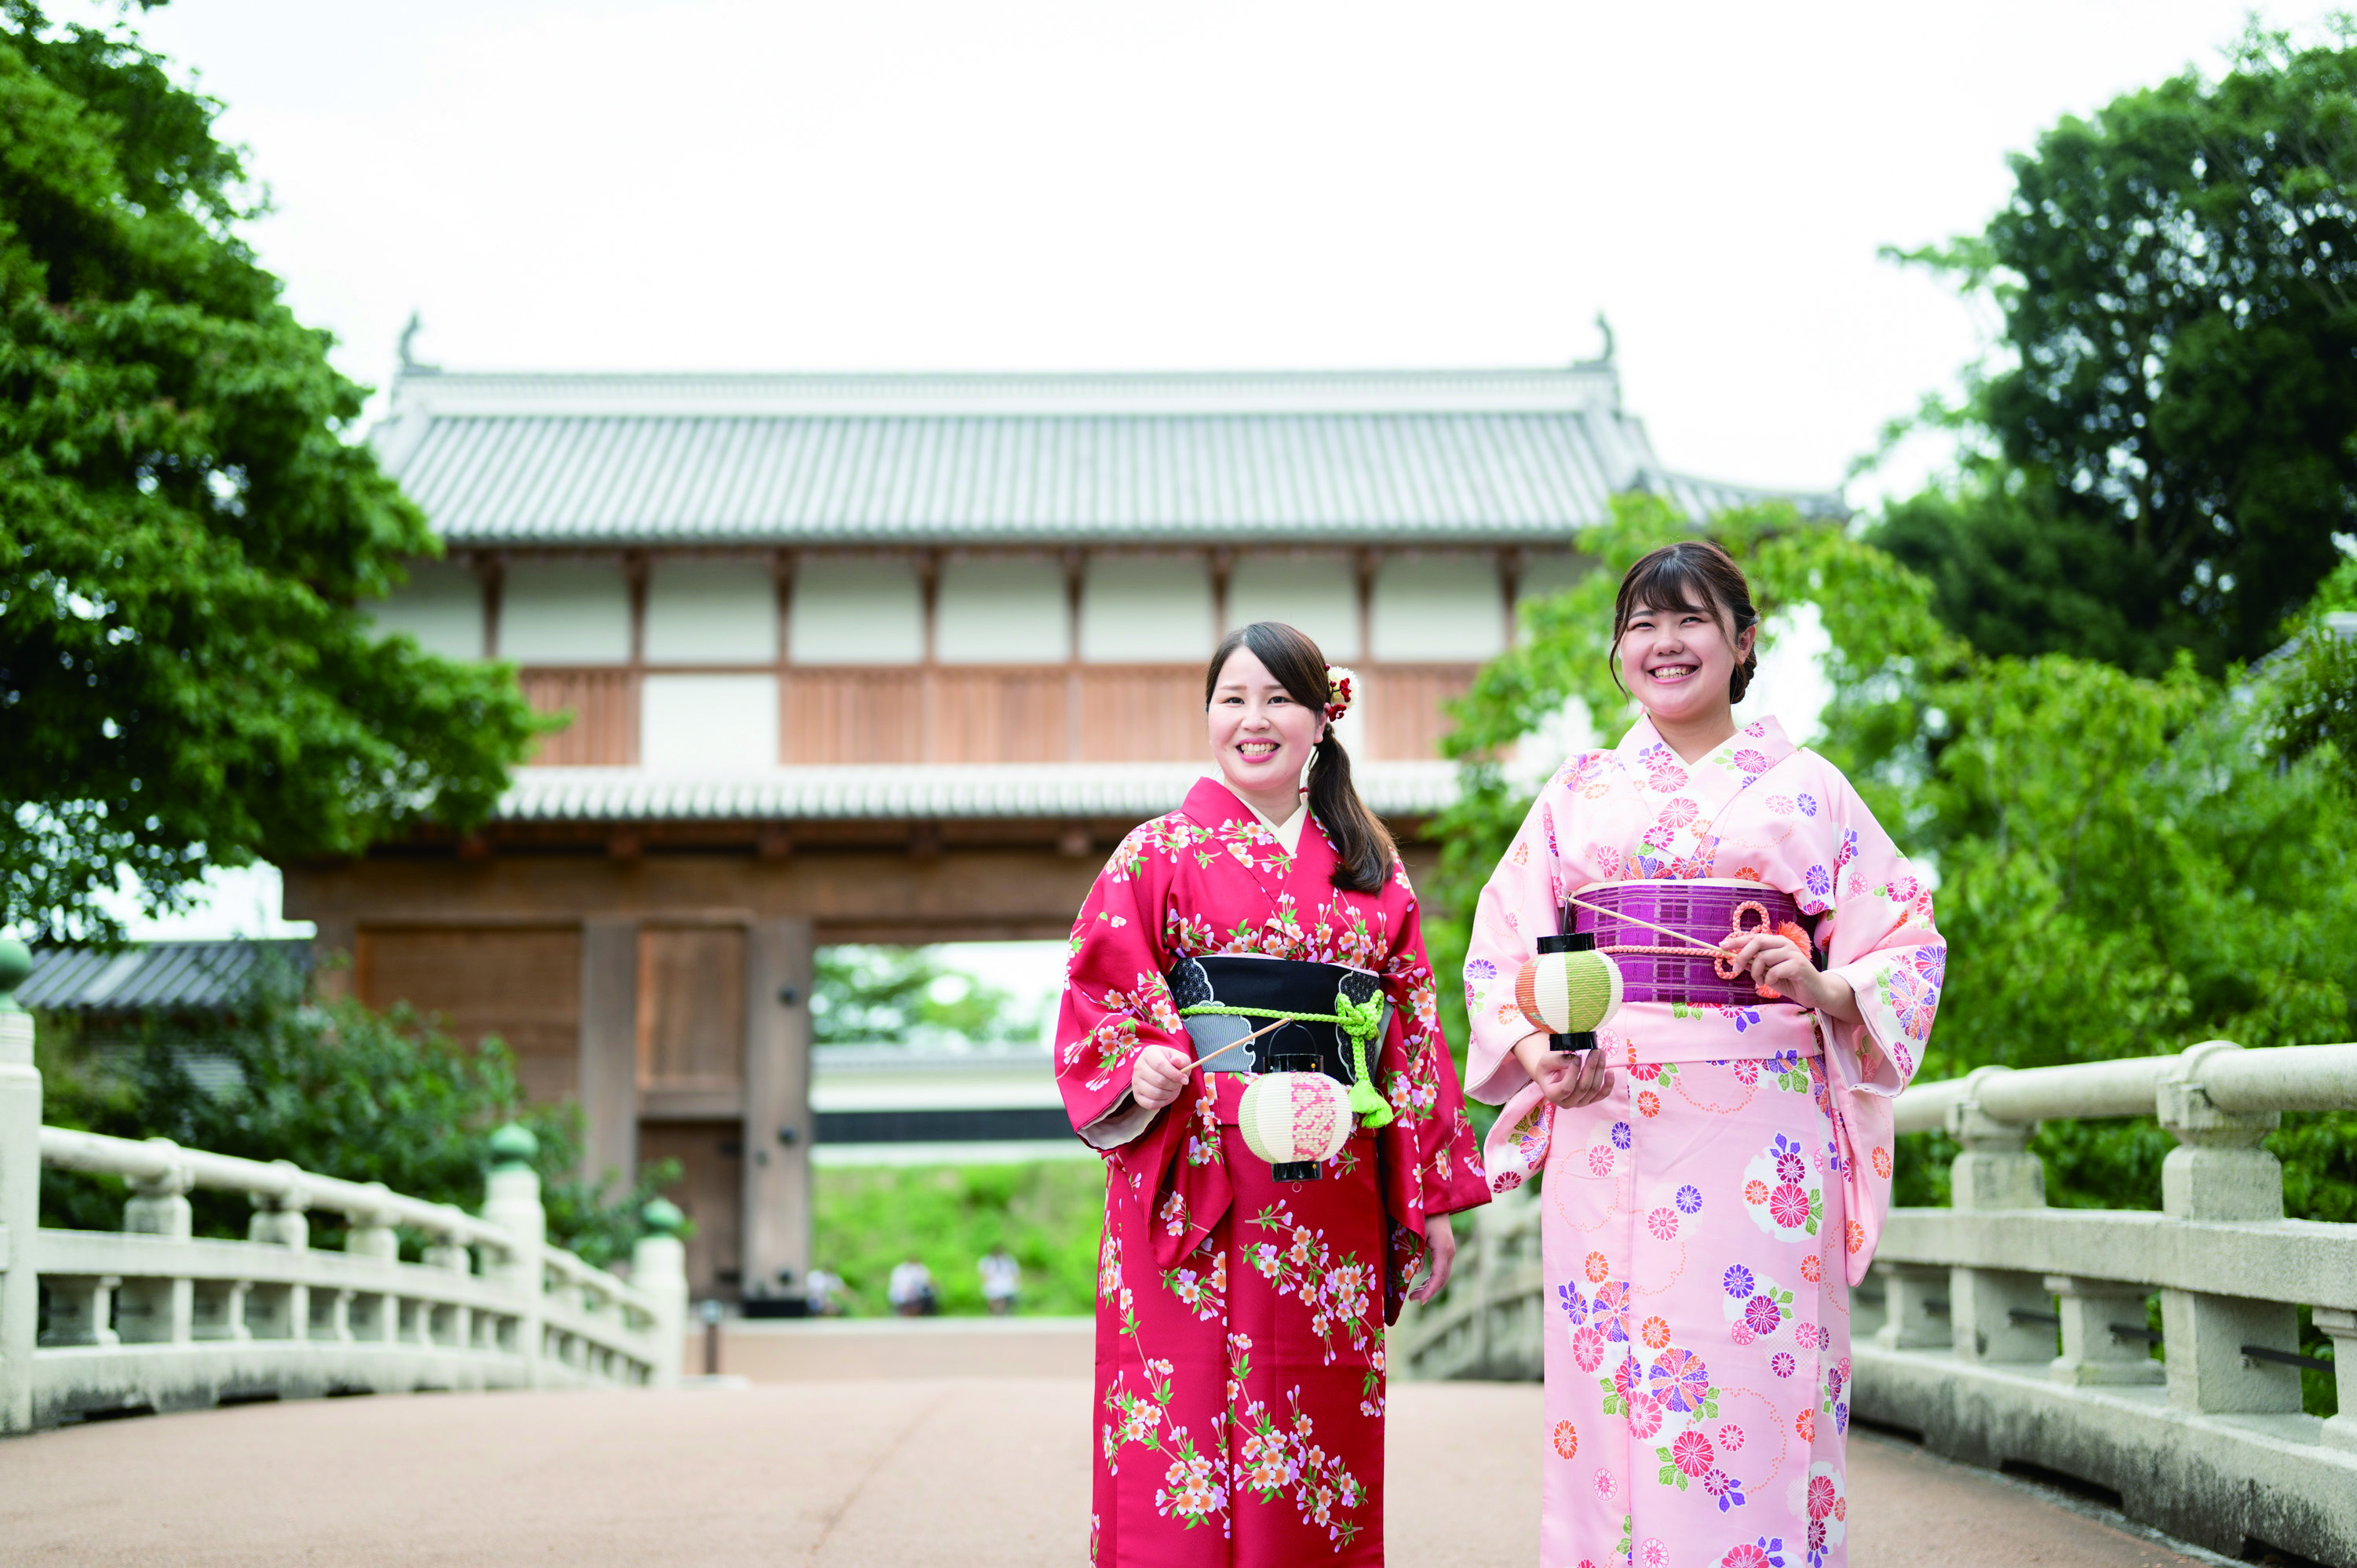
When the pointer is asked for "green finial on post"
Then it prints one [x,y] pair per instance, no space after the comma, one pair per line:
[16,964]
[514,1148]
[662,1216]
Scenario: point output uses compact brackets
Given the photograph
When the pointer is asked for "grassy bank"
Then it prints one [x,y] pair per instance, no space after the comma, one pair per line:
[871,1217]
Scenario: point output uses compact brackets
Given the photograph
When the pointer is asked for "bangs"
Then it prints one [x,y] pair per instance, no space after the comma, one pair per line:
[1669,582]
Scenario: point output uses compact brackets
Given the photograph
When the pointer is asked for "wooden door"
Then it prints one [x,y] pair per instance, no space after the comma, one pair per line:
[692,1010]
[523,985]
[711,1192]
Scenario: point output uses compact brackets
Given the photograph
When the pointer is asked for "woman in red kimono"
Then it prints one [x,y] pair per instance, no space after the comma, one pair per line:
[1239,1318]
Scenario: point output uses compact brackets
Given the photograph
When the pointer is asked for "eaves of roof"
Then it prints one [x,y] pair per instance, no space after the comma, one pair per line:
[154,976]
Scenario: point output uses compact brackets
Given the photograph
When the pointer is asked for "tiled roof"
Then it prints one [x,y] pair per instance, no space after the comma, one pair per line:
[1430,455]
[1058,790]
[161,976]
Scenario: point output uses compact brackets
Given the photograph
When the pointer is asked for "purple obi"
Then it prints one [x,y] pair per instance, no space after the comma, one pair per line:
[1655,967]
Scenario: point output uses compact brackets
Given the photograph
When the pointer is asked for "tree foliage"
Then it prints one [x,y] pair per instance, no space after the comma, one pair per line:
[887,995]
[337,1089]
[2173,446]
[187,534]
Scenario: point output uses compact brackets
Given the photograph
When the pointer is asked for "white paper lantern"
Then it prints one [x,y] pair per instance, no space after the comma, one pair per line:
[1294,1118]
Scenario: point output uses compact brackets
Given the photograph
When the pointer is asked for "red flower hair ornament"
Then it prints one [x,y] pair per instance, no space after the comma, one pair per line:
[1339,691]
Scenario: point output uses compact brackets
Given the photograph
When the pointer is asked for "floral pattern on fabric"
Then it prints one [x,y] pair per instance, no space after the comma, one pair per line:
[1240,1366]
[1703,1222]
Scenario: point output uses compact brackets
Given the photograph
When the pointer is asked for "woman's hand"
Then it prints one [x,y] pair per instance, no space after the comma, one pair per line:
[1779,964]
[1568,1078]
[1439,1257]
[1161,1071]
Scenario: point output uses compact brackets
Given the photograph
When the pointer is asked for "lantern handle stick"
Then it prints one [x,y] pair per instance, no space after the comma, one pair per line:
[1246,1040]
[1631,920]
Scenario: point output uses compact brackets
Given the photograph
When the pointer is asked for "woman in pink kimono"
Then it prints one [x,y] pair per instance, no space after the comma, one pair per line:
[1241,1305]
[1717,1166]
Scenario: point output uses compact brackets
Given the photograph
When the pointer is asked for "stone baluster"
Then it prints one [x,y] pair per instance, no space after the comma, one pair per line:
[280,1219]
[1995,1314]
[20,1192]
[447,1251]
[2092,1356]
[1915,1307]
[159,1310]
[374,1316]
[659,1271]
[2341,1430]
[2219,1172]
[512,1203]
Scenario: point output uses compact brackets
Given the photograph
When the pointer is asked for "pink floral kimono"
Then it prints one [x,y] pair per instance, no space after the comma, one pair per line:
[1704,1222]
[1240,1319]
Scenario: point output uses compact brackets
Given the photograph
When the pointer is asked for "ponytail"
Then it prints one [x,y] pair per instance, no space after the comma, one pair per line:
[1363,850]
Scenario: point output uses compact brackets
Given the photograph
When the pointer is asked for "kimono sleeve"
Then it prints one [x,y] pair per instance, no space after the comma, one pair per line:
[1518,905]
[1881,943]
[1427,1103]
[1117,1003]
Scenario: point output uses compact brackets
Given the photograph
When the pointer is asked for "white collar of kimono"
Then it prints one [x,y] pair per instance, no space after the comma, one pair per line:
[1763,734]
[1288,832]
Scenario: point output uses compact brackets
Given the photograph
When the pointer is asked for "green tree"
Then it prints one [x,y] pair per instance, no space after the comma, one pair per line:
[890,995]
[188,534]
[2165,458]
[337,1089]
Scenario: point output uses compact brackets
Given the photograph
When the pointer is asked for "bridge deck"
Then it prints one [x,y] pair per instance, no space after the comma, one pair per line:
[989,1472]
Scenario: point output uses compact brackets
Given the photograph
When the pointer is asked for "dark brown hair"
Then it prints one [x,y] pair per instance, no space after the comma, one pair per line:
[1362,845]
[1697,576]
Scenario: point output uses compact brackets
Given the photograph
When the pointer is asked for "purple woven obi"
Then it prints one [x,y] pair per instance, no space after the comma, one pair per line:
[1655,967]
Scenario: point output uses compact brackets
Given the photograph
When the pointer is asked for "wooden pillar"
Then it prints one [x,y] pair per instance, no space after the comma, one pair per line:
[781,572]
[610,1048]
[1510,582]
[1076,567]
[492,570]
[779,961]
[929,594]
[1223,564]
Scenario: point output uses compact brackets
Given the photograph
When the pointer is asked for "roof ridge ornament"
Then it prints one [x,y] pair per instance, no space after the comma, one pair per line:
[410,364]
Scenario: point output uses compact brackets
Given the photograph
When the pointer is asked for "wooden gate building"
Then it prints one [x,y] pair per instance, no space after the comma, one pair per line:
[898,658]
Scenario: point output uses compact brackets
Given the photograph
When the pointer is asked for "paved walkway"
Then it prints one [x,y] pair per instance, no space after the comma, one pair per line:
[845,1472]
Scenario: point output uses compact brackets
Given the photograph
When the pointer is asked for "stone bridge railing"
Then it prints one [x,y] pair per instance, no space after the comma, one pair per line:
[151,1318]
[2007,1333]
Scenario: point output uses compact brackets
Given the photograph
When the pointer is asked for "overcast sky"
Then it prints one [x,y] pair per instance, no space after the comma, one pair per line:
[897,184]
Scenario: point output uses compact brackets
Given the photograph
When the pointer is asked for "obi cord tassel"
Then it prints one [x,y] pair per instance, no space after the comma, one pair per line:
[1569,992]
[1359,1020]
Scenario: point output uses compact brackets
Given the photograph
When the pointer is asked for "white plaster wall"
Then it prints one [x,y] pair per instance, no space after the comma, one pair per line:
[441,606]
[708,724]
[856,612]
[1438,607]
[1317,595]
[1548,573]
[1000,610]
[1146,609]
[564,612]
[711,612]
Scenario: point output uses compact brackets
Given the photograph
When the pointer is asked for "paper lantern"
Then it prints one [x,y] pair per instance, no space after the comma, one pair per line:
[1569,992]
[1295,1120]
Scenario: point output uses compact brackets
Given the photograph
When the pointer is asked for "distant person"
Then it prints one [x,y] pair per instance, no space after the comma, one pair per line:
[822,1291]
[1002,1276]
[911,1292]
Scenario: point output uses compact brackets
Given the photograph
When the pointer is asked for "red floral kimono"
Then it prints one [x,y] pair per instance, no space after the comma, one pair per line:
[1240,1321]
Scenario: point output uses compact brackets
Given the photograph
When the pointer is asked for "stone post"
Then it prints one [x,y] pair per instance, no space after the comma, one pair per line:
[374,1316]
[659,1272]
[512,1203]
[2219,1173]
[285,1311]
[159,1311]
[20,1192]
[2341,1430]
[2091,1353]
[447,1251]
[1996,1171]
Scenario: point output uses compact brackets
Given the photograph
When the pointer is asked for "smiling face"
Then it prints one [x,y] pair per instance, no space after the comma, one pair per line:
[1261,735]
[1679,662]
